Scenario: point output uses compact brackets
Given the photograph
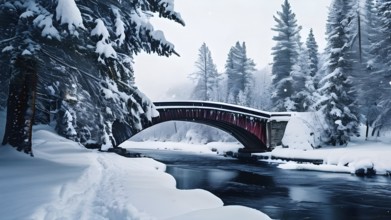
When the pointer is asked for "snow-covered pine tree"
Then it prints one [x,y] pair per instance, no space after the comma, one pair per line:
[239,70]
[301,99]
[338,103]
[232,77]
[312,52]
[370,36]
[80,55]
[285,54]
[247,69]
[206,76]
[369,31]
[262,89]
[380,72]
[309,61]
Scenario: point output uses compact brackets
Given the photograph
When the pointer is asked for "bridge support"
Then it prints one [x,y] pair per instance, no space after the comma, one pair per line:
[275,133]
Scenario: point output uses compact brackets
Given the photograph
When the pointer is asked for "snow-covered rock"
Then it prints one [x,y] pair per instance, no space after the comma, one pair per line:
[302,131]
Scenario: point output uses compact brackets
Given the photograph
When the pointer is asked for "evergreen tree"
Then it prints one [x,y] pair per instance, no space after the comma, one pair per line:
[309,57]
[301,82]
[380,65]
[206,76]
[72,61]
[239,70]
[232,77]
[262,89]
[367,96]
[339,99]
[313,55]
[285,54]
[369,31]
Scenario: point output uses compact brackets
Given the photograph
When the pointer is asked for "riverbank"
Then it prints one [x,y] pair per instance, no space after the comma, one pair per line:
[359,157]
[66,181]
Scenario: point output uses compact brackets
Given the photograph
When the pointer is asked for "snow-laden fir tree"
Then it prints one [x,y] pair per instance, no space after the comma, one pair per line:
[338,103]
[312,53]
[301,99]
[378,86]
[206,76]
[262,89]
[239,69]
[308,60]
[369,35]
[285,54]
[70,62]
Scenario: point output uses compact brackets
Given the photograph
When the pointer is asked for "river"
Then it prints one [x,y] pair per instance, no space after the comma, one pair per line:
[281,194]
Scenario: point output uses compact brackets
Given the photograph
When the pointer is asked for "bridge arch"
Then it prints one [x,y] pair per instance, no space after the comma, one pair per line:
[253,128]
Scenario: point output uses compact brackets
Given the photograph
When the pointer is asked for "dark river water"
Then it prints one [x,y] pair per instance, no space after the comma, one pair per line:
[281,194]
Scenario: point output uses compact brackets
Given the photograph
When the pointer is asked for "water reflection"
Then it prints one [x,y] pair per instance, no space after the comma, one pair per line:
[254,179]
[191,179]
[307,194]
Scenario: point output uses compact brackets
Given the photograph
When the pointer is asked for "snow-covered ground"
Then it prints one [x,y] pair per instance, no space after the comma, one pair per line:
[66,181]
[359,155]
[209,148]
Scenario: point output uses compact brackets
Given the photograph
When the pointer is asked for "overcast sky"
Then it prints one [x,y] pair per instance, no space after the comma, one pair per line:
[220,24]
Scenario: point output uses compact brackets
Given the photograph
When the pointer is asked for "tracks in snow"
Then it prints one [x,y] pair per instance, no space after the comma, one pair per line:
[98,193]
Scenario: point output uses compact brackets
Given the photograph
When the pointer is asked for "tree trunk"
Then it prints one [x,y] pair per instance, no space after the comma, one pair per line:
[367,130]
[21,105]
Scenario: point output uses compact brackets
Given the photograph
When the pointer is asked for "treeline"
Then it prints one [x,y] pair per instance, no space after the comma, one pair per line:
[348,84]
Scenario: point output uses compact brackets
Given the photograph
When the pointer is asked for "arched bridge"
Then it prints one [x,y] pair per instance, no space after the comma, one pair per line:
[257,130]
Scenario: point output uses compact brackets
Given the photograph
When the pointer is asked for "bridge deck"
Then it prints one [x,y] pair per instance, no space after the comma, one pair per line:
[223,106]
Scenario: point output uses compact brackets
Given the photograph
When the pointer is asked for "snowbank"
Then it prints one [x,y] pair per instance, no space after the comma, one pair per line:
[209,148]
[302,134]
[361,156]
[226,212]
[66,181]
